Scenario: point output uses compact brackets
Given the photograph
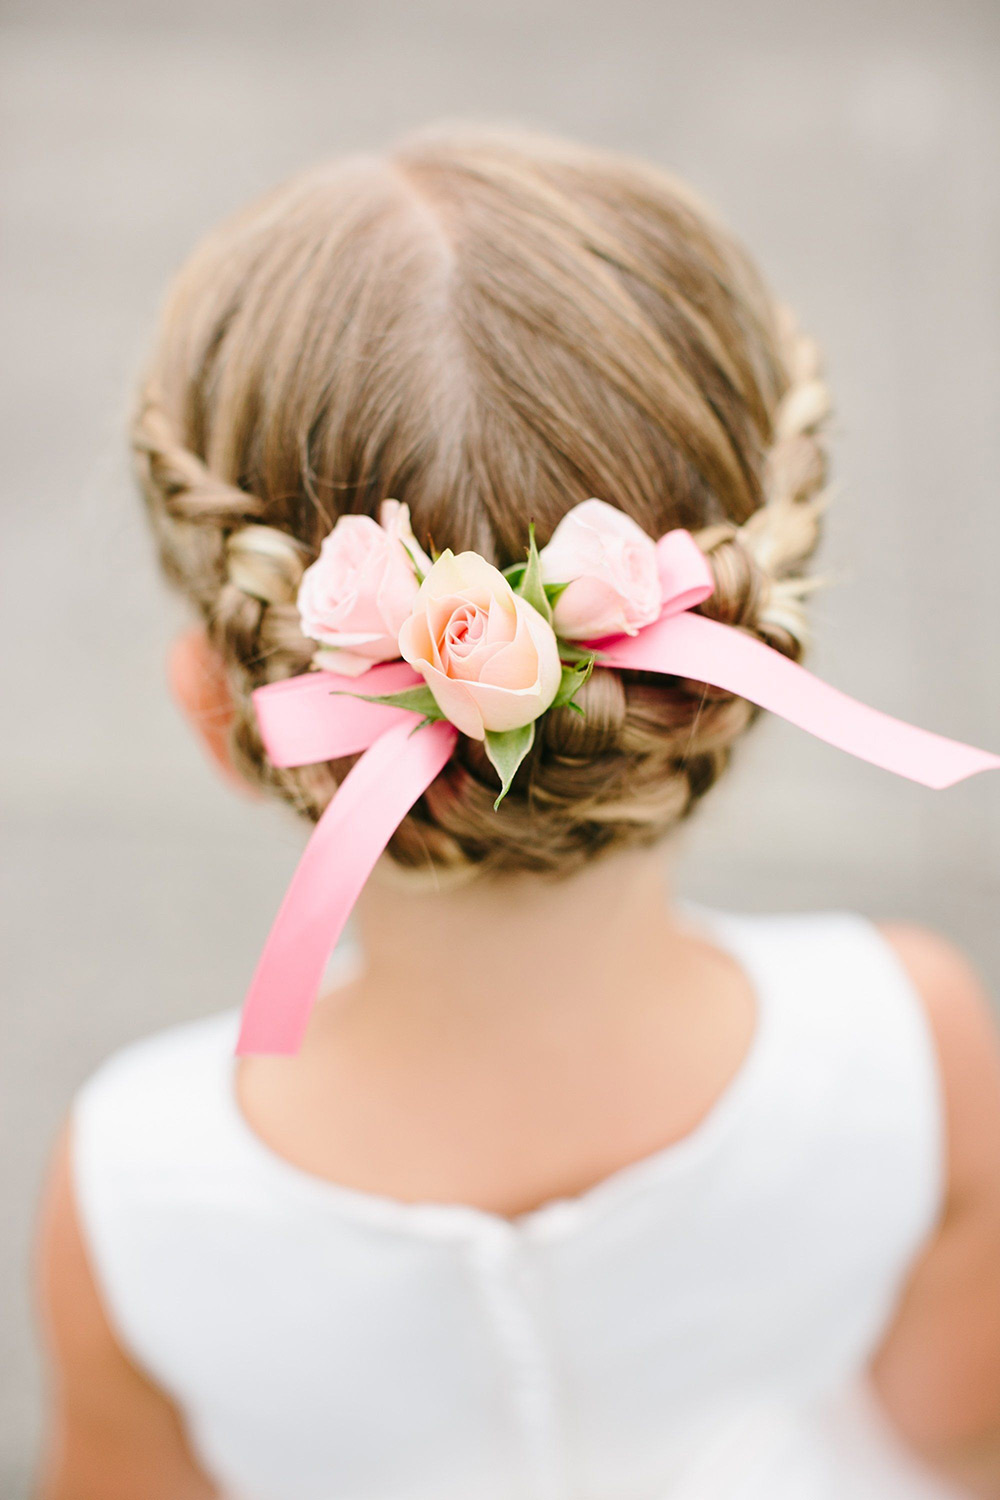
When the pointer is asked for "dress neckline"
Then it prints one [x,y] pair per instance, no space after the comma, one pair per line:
[559,1216]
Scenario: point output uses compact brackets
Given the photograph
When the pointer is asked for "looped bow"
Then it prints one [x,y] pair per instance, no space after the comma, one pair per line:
[311,718]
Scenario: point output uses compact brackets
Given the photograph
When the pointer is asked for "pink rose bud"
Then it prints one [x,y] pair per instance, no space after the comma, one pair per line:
[610,566]
[361,588]
[486,654]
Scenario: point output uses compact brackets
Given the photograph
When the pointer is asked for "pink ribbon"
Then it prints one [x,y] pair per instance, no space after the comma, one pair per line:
[690,646]
[685,576]
[312,718]
[361,818]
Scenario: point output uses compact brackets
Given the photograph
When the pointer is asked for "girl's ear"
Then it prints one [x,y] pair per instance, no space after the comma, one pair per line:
[198,683]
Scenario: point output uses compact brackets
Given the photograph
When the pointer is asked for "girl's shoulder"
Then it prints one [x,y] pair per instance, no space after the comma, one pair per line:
[169,1076]
[153,1122]
[938,1371]
[895,1008]
[963,1024]
[952,991]
[163,1057]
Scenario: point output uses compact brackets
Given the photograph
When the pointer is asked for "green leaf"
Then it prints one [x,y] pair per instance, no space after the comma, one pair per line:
[569,652]
[530,587]
[506,750]
[515,573]
[555,591]
[419,700]
[572,681]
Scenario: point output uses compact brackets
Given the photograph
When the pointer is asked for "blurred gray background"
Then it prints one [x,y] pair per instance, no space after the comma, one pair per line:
[852,143]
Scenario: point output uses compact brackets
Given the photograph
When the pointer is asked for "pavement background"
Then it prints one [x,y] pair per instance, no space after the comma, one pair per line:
[853,143]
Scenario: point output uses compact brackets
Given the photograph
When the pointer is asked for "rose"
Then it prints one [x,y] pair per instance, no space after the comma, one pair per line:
[361,588]
[610,567]
[489,658]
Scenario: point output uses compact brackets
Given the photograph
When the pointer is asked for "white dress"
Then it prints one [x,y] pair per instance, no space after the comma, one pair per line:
[696,1327]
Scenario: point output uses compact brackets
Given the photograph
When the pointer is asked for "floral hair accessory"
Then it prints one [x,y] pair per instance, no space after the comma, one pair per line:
[355,597]
[608,570]
[484,644]
[454,646]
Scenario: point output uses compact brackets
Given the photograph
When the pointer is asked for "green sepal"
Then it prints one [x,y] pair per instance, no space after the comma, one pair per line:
[506,749]
[419,700]
[569,652]
[418,570]
[572,680]
[515,577]
[531,588]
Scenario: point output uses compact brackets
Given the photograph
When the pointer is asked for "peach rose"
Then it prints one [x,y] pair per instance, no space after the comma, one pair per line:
[361,588]
[489,658]
[610,566]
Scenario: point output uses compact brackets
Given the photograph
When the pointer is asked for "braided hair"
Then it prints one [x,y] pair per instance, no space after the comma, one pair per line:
[490,327]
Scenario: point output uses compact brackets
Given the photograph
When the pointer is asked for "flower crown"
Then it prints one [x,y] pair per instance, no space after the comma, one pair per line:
[496,650]
[451,645]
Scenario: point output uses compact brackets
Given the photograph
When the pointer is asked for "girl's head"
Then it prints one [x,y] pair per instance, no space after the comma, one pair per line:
[490,328]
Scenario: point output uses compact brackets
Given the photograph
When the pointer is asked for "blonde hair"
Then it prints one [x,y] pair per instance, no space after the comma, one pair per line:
[490,327]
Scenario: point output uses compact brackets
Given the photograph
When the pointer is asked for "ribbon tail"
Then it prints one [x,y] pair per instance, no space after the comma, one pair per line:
[689,645]
[363,814]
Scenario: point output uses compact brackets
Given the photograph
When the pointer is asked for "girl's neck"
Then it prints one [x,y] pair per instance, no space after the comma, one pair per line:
[508,1041]
[515,943]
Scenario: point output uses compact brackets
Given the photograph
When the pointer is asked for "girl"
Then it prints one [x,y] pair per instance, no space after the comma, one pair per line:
[572,1191]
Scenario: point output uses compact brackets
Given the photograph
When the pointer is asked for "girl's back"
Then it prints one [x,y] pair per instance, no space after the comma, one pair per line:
[689,1323]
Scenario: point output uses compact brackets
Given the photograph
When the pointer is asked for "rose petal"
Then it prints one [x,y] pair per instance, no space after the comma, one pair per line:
[543,636]
[362,638]
[588,609]
[513,666]
[503,708]
[455,700]
[343,661]
[505,705]
[415,643]
[502,624]
[395,519]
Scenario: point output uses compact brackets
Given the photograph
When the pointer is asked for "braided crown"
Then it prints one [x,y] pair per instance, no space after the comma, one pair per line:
[240,493]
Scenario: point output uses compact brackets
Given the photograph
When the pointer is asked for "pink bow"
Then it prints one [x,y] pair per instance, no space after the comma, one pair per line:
[307,719]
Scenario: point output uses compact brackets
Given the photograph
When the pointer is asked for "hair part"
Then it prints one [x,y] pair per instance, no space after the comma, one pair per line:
[490,327]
